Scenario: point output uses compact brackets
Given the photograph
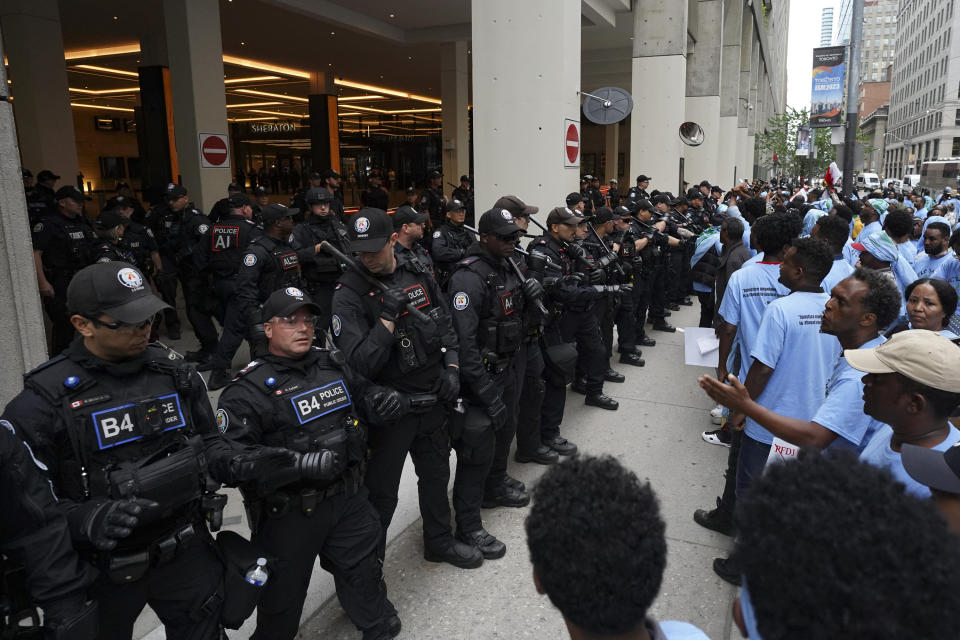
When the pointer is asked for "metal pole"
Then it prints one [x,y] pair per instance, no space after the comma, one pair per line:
[853,79]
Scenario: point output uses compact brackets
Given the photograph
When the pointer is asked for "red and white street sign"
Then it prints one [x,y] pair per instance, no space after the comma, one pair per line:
[214,151]
[571,143]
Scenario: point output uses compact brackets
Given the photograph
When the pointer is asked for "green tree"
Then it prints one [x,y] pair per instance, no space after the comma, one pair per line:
[780,139]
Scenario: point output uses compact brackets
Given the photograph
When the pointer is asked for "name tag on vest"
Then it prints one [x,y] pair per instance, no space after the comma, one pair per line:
[509,302]
[129,422]
[418,296]
[320,401]
[224,237]
[288,261]
[76,235]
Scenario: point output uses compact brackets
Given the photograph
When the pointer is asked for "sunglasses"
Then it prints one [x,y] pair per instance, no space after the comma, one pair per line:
[124,327]
[292,323]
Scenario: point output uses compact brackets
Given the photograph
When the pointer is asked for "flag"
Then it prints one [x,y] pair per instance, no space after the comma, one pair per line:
[833,175]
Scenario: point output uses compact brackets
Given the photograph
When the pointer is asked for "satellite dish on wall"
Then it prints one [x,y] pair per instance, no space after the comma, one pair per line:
[691,134]
[607,105]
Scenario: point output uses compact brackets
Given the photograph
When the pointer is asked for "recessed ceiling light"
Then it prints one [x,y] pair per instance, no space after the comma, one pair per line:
[333,33]
[391,15]
[115,18]
[243,44]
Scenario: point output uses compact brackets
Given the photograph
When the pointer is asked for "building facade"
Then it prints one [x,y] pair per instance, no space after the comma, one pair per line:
[879,35]
[826,27]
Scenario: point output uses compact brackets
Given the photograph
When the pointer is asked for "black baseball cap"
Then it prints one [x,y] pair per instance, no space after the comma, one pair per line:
[174,191]
[26,173]
[276,211]
[562,215]
[316,195]
[517,207]
[71,192]
[116,289]
[662,198]
[411,189]
[329,173]
[286,302]
[233,186]
[623,212]
[704,183]
[108,219]
[605,214]
[46,174]
[434,174]
[315,175]
[936,469]
[464,178]
[238,200]
[370,230]
[260,191]
[643,205]
[574,198]
[407,215]
[455,205]
[642,178]
[118,202]
[499,222]
[682,200]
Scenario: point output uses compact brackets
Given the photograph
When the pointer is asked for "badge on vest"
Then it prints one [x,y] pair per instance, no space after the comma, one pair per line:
[320,401]
[224,238]
[132,421]
[418,296]
[288,261]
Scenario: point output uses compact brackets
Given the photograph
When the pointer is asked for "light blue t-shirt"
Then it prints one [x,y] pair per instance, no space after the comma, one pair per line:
[851,254]
[749,291]
[842,410]
[840,270]
[908,250]
[677,630]
[802,358]
[926,265]
[879,453]
[949,270]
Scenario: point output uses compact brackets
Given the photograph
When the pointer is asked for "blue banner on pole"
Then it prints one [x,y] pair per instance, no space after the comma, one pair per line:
[826,96]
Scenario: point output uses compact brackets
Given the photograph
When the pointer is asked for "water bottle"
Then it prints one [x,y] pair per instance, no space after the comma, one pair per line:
[257,575]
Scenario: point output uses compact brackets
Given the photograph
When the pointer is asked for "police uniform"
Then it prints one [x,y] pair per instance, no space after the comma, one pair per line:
[308,405]
[116,432]
[410,360]
[221,252]
[466,197]
[320,270]
[613,195]
[449,245]
[139,239]
[648,283]
[65,244]
[41,202]
[377,198]
[487,308]
[36,547]
[433,203]
[625,316]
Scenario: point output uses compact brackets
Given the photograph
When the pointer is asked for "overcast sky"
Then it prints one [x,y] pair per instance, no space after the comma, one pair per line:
[804,37]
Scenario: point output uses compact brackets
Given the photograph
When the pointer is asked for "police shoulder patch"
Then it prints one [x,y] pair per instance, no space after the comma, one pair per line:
[461,300]
[223,421]
[150,232]
[250,259]
[37,228]
[203,228]
[436,234]
[335,324]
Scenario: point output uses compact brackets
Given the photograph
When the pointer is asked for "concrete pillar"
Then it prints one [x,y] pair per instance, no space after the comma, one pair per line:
[658,86]
[34,43]
[455,132]
[324,124]
[199,97]
[729,90]
[521,96]
[22,342]
[611,150]
[703,93]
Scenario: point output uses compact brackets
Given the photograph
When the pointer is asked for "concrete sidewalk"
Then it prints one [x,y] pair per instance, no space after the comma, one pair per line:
[656,432]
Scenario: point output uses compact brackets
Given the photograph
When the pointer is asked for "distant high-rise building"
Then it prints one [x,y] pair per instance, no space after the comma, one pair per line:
[879,35]
[826,27]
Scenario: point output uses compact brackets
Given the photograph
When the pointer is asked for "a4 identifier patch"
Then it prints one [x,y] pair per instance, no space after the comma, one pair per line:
[119,425]
[320,401]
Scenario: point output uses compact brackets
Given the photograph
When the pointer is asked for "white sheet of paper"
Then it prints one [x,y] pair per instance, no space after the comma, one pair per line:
[706,345]
[691,347]
[781,451]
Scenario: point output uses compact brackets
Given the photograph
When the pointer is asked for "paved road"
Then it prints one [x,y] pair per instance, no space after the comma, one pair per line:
[656,432]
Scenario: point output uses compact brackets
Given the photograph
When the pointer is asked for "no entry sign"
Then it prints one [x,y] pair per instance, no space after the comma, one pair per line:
[214,152]
[571,143]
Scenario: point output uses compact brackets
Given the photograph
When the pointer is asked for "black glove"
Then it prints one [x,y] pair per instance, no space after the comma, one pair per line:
[498,414]
[532,289]
[449,384]
[108,522]
[392,302]
[574,251]
[388,405]
[319,465]
[597,276]
[256,464]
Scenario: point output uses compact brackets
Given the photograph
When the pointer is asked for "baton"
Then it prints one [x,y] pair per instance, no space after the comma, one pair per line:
[342,257]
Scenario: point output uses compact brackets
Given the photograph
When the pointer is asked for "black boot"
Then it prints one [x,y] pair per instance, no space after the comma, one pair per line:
[452,551]
[489,547]
[579,386]
[719,519]
[631,359]
[602,401]
[613,376]
[542,455]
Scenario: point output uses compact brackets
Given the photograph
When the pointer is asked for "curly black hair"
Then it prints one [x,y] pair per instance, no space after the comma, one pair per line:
[899,223]
[832,547]
[777,230]
[883,297]
[815,256]
[845,212]
[834,230]
[597,544]
[753,208]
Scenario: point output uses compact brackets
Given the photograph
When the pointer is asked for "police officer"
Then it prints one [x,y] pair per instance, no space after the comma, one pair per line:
[450,242]
[302,402]
[299,200]
[124,191]
[331,180]
[432,201]
[488,305]
[418,362]
[221,208]
[42,199]
[270,263]
[320,270]
[648,286]
[597,198]
[61,247]
[530,364]
[261,200]
[464,193]
[137,237]
[110,246]
[613,195]
[123,428]
[220,254]
[678,256]
[375,195]
[624,241]
[408,223]
[639,192]
[586,196]
[35,540]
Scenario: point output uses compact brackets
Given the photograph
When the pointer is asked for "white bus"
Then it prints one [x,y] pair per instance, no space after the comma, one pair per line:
[937,174]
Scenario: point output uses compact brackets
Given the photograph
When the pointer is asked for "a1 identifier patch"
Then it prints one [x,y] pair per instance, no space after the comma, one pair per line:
[119,425]
[320,401]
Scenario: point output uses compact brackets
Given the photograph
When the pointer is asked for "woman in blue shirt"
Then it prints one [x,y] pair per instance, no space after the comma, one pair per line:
[930,304]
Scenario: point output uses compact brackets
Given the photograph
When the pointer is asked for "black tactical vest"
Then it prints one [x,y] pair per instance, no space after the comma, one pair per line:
[281,270]
[501,325]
